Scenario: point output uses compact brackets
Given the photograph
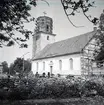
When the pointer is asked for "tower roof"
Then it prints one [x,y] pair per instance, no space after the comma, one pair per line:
[40,17]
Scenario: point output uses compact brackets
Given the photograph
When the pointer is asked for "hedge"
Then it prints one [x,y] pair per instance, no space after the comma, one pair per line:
[41,88]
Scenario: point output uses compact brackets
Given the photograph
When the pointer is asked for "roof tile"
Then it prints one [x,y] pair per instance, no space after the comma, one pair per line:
[68,46]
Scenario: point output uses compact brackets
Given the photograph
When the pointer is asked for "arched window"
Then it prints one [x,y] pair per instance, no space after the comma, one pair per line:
[51,63]
[43,65]
[47,37]
[71,63]
[60,64]
[37,66]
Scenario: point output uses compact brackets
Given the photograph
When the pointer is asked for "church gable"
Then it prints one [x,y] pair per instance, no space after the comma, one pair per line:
[66,47]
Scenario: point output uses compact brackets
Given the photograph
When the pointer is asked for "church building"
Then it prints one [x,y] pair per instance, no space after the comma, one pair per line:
[72,56]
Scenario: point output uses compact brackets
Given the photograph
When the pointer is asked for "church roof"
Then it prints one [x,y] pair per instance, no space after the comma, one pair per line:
[69,46]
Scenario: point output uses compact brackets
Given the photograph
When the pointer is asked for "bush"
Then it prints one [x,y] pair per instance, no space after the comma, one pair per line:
[19,93]
[54,88]
[93,86]
[16,89]
[6,83]
[23,89]
[88,88]
[40,88]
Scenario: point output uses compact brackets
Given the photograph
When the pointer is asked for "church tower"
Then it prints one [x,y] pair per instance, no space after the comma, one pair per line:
[43,34]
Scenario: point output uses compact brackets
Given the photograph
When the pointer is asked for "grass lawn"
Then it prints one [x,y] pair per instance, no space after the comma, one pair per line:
[72,101]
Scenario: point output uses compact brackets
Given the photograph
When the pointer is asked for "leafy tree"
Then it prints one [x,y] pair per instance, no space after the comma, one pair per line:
[11,69]
[13,15]
[99,53]
[5,67]
[72,7]
[17,66]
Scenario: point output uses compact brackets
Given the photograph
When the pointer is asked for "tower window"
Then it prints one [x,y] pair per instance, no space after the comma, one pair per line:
[42,21]
[47,37]
[47,28]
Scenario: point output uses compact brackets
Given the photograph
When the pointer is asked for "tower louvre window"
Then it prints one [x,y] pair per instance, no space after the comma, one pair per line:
[42,21]
[47,28]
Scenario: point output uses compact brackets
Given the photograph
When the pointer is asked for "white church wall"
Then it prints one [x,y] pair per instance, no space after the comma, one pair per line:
[65,67]
[44,41]
[38,46]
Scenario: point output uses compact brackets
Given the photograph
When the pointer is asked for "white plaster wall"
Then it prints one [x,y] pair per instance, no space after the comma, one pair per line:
[44,40]
[65,65]
[38,46]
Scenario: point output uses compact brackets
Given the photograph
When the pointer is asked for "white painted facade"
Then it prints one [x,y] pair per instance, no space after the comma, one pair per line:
[66,67]
[65,64]
[46,39]
[41,40]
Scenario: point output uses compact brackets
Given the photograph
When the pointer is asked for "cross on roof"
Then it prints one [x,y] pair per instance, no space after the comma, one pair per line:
[44,13]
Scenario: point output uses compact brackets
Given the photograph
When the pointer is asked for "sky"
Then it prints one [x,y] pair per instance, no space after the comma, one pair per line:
[61,26]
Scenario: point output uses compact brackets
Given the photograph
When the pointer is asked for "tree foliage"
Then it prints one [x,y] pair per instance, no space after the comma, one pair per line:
[17,66]
[13,15]
[72,7]
[99,53]
[5,67]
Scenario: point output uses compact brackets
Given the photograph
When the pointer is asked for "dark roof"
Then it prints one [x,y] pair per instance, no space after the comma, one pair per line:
[65,47]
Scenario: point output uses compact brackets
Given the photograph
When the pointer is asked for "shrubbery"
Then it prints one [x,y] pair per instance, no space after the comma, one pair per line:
[40,88]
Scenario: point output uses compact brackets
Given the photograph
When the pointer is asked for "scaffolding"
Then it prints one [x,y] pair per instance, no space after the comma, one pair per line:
[88,63]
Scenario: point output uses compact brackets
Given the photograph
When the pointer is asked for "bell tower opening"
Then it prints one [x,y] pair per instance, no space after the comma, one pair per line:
[47,28]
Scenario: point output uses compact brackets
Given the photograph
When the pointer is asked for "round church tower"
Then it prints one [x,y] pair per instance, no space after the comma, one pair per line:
[44,24]
[43,34]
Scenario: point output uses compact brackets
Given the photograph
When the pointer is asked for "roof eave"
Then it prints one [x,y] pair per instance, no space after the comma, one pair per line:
[57,56]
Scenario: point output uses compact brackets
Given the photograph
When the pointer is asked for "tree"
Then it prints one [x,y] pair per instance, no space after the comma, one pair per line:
[99,53]
[71,7]
[13,15]
[5,67]
[17,66]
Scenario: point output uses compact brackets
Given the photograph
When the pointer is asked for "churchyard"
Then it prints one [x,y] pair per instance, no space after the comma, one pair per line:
[52,91]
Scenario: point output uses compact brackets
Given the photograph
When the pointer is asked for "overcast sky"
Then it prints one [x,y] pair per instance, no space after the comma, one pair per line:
[61,26]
